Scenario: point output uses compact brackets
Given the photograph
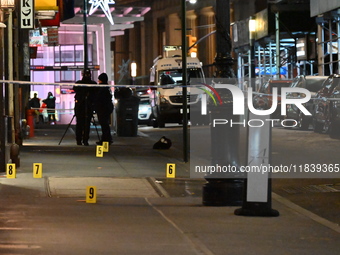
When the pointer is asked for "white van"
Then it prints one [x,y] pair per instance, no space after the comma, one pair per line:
[166,93]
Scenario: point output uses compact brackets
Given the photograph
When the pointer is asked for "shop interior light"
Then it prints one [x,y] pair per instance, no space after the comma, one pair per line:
[193,54]
[252,25]
[133,69]
[45,14]
[7,3]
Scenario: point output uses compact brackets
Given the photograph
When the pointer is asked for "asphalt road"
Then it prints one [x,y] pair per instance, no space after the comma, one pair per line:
[289,147]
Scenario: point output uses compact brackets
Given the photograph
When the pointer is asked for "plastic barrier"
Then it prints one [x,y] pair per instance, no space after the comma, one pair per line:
[30,121]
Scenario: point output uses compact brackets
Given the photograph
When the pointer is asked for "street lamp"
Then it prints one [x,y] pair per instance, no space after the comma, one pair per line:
[86,57]
[226,189]
[2,113]
[252,27]
[252,33]
[8,5]
[133,68]
[184,77]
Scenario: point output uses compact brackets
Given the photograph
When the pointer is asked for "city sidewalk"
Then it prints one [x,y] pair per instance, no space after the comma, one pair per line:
[134,213]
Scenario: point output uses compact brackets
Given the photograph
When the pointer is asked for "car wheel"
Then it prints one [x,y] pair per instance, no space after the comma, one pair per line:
[334,130]
[288,124]
[317,126]
[327,126]
[154,123]
[150,121]
[302,122]
[159,123]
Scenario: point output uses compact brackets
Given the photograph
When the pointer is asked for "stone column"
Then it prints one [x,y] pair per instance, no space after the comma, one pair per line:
[191,23]
[173,29]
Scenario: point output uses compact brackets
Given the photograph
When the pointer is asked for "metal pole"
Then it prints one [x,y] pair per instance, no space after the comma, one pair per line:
[2,112]
[184,81]
[221,191]
[3,132]
[86,57]
[277,38]
[338,33]
[10,74]
[320,50]
[252,59]
[330,34]
[270,57]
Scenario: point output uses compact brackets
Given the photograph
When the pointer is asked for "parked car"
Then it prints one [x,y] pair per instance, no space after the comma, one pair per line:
[313,84]
[264,99]
[144,111]
[326,108]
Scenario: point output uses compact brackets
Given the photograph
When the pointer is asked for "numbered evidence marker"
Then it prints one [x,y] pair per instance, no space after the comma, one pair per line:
[91,194]
[37,170]
[170,170]
[99,151]
[11,171]
[105,146]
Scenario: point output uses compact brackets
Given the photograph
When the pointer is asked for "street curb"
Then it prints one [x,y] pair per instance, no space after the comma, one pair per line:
[158,188]
[306,213]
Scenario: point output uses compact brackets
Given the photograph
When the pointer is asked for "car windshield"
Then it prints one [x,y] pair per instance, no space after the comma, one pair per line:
[268,87]
[144,102]
[314,85]
[174,77]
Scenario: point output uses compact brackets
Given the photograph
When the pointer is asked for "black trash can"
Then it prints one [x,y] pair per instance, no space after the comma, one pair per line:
[127,116]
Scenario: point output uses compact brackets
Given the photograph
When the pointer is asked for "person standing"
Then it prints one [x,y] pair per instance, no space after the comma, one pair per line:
[104,107]
[34,104]
[83,108]
[50,105]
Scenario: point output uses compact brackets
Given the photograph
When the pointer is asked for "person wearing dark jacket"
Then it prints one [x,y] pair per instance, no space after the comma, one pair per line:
[83,108]
[34,104]
[50,104]
[104,107]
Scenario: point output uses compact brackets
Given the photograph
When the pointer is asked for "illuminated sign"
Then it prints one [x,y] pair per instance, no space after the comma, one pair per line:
[63,68]
[38,38]
[46,5]
[27,14]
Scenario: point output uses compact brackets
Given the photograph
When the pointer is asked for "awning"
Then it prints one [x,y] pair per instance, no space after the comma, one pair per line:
[123,16]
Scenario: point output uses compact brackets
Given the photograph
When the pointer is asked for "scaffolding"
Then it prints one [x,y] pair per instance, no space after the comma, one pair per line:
[328,43]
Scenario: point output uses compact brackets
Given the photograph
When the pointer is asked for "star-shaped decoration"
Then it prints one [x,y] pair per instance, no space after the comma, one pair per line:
[124,69]
[104,5]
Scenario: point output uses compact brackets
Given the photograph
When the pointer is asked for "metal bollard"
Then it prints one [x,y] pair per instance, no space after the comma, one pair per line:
[14,154]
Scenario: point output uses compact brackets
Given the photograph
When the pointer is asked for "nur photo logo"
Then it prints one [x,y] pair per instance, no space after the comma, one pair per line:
[239,103]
